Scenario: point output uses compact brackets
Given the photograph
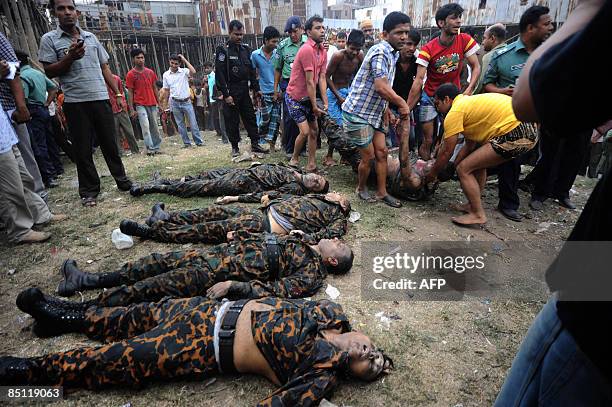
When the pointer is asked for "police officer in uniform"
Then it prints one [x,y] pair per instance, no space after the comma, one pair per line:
[234,72]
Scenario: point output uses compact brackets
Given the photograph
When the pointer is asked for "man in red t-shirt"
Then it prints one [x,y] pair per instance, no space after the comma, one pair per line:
[441,60]
[307,70]
[123,124]
[140,82]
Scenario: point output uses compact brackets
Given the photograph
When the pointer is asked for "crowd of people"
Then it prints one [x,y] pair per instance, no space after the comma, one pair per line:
[449,111]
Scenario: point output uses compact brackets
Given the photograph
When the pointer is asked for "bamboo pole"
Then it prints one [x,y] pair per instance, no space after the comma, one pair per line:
[30,36]
[20,32]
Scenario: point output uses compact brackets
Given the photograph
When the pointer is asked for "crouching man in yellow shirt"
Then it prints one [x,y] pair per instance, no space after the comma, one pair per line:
[492,136]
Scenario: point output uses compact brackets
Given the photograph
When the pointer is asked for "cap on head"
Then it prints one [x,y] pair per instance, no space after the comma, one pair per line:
[366,24]
[292,23]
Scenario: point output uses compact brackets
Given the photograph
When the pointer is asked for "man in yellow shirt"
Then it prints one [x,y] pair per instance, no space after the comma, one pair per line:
[492,136]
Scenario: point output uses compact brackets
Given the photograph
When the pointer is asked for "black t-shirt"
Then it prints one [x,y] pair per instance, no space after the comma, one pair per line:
[571,92]
[404,79]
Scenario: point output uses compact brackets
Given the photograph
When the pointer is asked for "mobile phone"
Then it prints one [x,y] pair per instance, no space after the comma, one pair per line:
[80,42]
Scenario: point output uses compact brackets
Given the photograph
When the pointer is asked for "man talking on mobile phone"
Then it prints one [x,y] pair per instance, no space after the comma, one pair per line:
[77,58]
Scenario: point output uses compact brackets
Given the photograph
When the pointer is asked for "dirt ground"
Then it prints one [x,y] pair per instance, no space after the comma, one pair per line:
[446,353]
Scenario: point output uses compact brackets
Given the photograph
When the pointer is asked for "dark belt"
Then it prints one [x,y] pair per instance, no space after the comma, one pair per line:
[272,255]
[227,334]
[181,100]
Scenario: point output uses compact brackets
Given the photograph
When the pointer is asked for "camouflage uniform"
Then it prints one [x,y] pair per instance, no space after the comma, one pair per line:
[244,261]
[248,183]
[174,338]
[312,214]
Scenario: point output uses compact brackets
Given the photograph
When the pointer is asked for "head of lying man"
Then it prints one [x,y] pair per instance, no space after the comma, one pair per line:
[365,361]
[315,183]
[340,200]
[337,255]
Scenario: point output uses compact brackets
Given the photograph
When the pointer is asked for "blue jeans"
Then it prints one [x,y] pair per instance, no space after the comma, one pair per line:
[147,117]
[180,109]
[550,370]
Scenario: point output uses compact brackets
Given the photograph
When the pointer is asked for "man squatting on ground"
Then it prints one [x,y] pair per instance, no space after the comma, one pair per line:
[303,347]
[241,184]
[493,135]
[250,266]
[315,216]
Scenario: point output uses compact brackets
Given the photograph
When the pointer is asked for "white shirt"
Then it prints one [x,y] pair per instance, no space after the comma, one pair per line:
[330,52]
[178,83]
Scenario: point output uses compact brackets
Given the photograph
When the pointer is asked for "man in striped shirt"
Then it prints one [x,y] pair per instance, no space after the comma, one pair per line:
[365,107]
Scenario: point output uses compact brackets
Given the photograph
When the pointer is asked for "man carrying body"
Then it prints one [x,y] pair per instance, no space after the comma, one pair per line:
[264,60]
[308,72]
[250,183]
[302,346]
[39,91]
[250,266]
[486,120]
[286,51]
[140,82]
[234,74]
[441,60]
[493,39]
[366,106]
[315,216]
[123,125]
[504,69]
[176,87]
[81,63]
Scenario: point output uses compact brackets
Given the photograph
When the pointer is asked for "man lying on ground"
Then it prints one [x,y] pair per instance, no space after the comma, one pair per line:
[248,183]
[251,266]
[304,347]
[404,185]
[316,216]
[493,135]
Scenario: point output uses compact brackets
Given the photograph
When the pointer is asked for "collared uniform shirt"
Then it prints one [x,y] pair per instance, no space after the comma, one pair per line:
[265,67]
[287,51]
[178,83]
[84,81]
[363,100]
[506,65]
[35,85]
[234,70]
[486,59]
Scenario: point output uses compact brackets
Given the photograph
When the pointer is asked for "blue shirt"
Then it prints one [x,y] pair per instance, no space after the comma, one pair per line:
[265,68]
[8,138]
[211,87]
[363,100]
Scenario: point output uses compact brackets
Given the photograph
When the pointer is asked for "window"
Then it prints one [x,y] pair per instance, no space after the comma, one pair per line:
[523,2]
[384,11]
[482,4]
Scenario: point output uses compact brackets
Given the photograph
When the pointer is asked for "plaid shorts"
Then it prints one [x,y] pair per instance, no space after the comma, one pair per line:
[300,111]
[520,140]
[360,132]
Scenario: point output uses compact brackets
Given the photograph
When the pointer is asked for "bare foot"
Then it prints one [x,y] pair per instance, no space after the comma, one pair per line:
[311,169]
[470,219]
[461,207]
[294,163]
[329,162]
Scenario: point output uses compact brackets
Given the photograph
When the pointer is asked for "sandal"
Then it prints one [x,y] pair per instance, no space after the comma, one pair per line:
[365,196]
[88,202]
[389,200]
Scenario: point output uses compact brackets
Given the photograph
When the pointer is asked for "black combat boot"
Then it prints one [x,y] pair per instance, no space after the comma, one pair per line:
[19,371]
[53,317]
[76,280]
[133,228]
[157,214]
